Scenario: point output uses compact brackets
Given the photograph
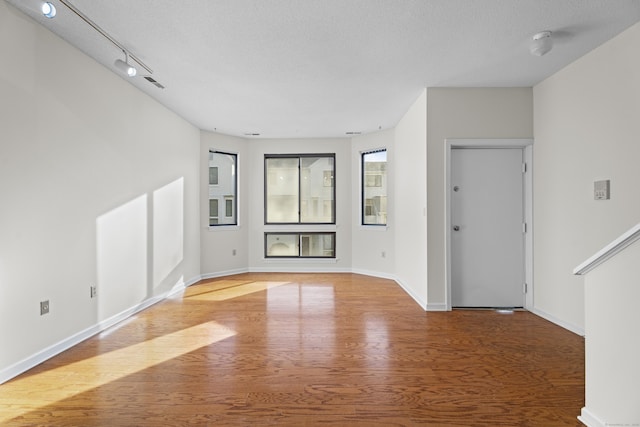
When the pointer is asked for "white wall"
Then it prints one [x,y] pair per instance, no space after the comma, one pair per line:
[369,242]
[489,113]
[99,185]
[255,204]
[410,207]
[218,243]
[612,341]
[586,129]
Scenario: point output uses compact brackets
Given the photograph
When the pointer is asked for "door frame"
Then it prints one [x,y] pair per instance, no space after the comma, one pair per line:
[527,147]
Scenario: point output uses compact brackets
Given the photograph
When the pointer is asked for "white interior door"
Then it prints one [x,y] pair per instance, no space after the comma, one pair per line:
[487,236]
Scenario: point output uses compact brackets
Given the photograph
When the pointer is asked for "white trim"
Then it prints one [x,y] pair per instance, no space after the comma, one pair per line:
[374,274]
[526,145]
[410,292]
[75,339]
[371,227]
[223,227]
[224,273]
[290,269]
[440,306]
[299,260]
[300,228]
[626,239]
[590,420]
[568,326]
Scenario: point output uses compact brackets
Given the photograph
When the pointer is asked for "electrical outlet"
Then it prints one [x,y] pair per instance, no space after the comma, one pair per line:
[44,307]
[233,252]
[94,291]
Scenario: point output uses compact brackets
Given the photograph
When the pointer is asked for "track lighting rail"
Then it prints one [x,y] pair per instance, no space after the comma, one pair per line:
[106,35]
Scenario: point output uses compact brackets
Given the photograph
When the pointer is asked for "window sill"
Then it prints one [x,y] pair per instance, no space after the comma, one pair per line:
[301,228]
[229,227]
[301,260]
[373,227]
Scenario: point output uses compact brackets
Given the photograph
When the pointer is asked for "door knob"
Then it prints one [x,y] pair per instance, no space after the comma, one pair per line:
[456,228]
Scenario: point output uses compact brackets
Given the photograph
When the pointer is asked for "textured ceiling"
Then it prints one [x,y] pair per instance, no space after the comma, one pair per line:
[321,68]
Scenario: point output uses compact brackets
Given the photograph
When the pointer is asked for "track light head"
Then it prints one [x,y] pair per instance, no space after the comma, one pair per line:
[48,10]
[541,43]
[127,69]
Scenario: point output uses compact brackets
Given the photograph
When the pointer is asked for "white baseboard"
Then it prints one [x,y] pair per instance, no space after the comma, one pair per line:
[290,269]
[590,420]
[410,292]
[224,273]
[569,326]
[75,339]
[374,274]
[437,307]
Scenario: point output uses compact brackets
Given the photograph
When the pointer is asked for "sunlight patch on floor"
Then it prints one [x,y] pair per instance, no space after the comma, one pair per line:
[228,289]
[38,390]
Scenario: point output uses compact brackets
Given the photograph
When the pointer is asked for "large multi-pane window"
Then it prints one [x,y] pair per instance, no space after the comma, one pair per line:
[300,189]
[300,245]
[374,187]
[223,188]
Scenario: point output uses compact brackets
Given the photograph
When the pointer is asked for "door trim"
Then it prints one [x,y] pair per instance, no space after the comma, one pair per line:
[527,146]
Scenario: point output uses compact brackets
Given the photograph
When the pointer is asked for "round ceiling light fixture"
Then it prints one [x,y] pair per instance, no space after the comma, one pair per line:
[541,43]
[48,10]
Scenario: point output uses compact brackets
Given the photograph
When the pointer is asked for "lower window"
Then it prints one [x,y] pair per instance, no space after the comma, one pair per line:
[300,245]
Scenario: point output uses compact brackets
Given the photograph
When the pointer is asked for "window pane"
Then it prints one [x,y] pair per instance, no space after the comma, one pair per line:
[317,245]
[374,188]
[228,207]
[281,190]
[223,184]
[213,175]
[300,245]
[317,190]
[213,211]
[282,245]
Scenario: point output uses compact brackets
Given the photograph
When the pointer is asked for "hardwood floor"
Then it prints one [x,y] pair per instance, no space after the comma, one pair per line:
[303,350]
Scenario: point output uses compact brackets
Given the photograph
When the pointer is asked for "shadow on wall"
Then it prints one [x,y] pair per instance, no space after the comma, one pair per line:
[139,246]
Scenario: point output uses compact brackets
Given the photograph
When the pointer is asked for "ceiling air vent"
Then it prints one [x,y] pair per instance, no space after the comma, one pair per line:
[154,82]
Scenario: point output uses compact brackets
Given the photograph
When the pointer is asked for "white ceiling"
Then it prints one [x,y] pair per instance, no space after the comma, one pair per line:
[321,68]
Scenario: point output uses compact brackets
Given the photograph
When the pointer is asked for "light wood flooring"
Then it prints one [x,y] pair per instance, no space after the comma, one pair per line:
[306,350]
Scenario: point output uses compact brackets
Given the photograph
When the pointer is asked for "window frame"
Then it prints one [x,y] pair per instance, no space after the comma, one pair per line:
[300,235]
[225,197]
[300,157]
[363,186]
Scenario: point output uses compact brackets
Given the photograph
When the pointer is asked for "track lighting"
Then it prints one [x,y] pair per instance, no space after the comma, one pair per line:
[121,65]
[541,43]
[48,10]
[124,66]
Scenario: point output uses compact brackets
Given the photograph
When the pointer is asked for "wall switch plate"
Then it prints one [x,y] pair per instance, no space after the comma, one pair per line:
[44,307]
[94,291]
[601,190]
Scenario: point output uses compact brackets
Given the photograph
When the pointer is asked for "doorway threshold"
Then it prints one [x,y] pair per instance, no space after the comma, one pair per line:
[501,310]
